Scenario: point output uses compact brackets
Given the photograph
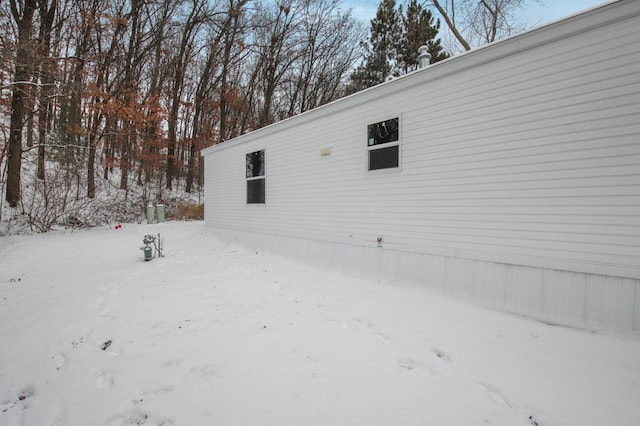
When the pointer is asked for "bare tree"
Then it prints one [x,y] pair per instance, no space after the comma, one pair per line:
[225,48]
[140,86]
[23,12]
[182,59]
[99,95]
[327,39]
[47,66]
[129,86]
[230,34]
[477,22]
[278,48]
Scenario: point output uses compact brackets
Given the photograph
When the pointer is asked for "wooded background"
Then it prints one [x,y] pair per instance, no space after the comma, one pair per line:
[130,91]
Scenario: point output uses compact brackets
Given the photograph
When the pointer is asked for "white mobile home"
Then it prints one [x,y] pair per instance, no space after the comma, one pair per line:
[509,175]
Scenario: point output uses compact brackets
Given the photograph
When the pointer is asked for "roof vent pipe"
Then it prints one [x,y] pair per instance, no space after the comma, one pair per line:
[424,58]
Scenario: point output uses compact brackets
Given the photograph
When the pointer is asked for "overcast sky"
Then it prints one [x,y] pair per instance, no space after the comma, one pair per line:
[539,13]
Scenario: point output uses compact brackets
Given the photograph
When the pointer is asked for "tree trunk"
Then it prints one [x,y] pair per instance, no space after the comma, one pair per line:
[32,95]
[229,34]
[124,161]
[19,93]
[191,173]
[99,102]
[452,26]
[176,92]
[46,78]
[194,20]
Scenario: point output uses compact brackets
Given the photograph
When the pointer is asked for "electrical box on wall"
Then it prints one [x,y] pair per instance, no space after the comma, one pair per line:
[325,151]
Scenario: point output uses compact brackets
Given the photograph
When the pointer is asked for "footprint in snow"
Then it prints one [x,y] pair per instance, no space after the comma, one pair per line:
[442,355]
[112,288]
[156,391]
[410,364]
[104,380]
[203,370]
[59,360]
[494,393]
[137,417]
[79,341]
[105,314]
[365,322]
[110,348]
[407,363]
[20,400]
[383,338]
[173,362]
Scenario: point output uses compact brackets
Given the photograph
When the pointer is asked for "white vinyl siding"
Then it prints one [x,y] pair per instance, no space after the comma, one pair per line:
[526,152]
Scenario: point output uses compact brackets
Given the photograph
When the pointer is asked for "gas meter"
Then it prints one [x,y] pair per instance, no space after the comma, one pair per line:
[152,246]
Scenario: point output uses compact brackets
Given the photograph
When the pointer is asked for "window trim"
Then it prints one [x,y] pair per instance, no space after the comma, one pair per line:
[255,178]
[391,144]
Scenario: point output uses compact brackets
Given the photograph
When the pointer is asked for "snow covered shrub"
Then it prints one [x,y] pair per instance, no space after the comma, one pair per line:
[60,200]
[55,200]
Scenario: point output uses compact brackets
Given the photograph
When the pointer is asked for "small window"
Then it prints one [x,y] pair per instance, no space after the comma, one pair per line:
[255,178]
[383,145]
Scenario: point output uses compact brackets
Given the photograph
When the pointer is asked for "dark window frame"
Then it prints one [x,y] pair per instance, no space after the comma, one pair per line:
[383,145]
[255,173]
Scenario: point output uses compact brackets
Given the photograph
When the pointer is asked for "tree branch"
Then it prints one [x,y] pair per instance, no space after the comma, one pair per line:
[50,145]
[451,25]
[25,83]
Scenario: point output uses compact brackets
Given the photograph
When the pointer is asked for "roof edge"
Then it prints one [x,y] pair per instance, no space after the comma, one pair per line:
[529,39]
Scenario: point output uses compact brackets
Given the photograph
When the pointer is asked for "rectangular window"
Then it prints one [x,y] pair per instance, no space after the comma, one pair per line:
[383,144]
[255,178]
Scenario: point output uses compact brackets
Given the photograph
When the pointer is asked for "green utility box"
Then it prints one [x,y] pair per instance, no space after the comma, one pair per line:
[160,212]
[150,212]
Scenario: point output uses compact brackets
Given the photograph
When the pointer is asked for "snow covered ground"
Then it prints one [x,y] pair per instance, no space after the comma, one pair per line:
[215,334]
